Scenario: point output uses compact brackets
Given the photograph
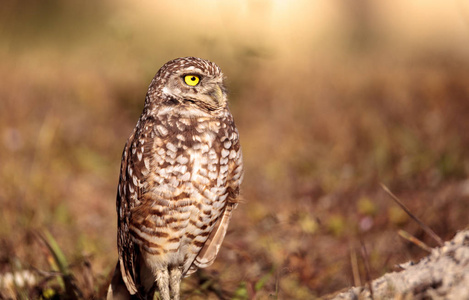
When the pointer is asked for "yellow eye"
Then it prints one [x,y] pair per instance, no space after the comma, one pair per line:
[191,80]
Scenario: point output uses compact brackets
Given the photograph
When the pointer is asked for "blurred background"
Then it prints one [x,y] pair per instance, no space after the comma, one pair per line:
[331,99]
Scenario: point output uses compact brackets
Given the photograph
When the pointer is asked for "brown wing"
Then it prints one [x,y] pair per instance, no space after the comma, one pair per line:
[128,199]
[209,251]
[127,259]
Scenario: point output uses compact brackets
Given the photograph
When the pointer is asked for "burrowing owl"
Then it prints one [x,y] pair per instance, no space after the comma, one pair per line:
[179,181]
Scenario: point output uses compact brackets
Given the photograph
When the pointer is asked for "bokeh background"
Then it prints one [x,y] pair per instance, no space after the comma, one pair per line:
[331,99]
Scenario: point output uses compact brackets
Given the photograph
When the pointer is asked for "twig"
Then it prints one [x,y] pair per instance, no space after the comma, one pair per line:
[413,239]
[355,271]
[367,268]
[427,229]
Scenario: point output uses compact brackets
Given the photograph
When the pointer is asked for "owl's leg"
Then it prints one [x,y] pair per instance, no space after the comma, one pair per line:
[175,276]
[162,281]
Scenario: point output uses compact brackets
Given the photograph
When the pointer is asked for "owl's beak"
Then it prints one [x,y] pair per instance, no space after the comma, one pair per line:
[217,95]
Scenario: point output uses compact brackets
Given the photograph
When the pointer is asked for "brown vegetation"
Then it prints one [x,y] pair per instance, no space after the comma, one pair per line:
[327,110]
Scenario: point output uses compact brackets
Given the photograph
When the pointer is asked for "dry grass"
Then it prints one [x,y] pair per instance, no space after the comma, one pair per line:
[323,120]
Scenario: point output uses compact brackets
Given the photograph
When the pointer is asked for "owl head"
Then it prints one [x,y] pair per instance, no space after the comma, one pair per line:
[189,81]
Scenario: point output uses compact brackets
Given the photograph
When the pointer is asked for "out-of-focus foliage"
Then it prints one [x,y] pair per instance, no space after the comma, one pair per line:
[331,98]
